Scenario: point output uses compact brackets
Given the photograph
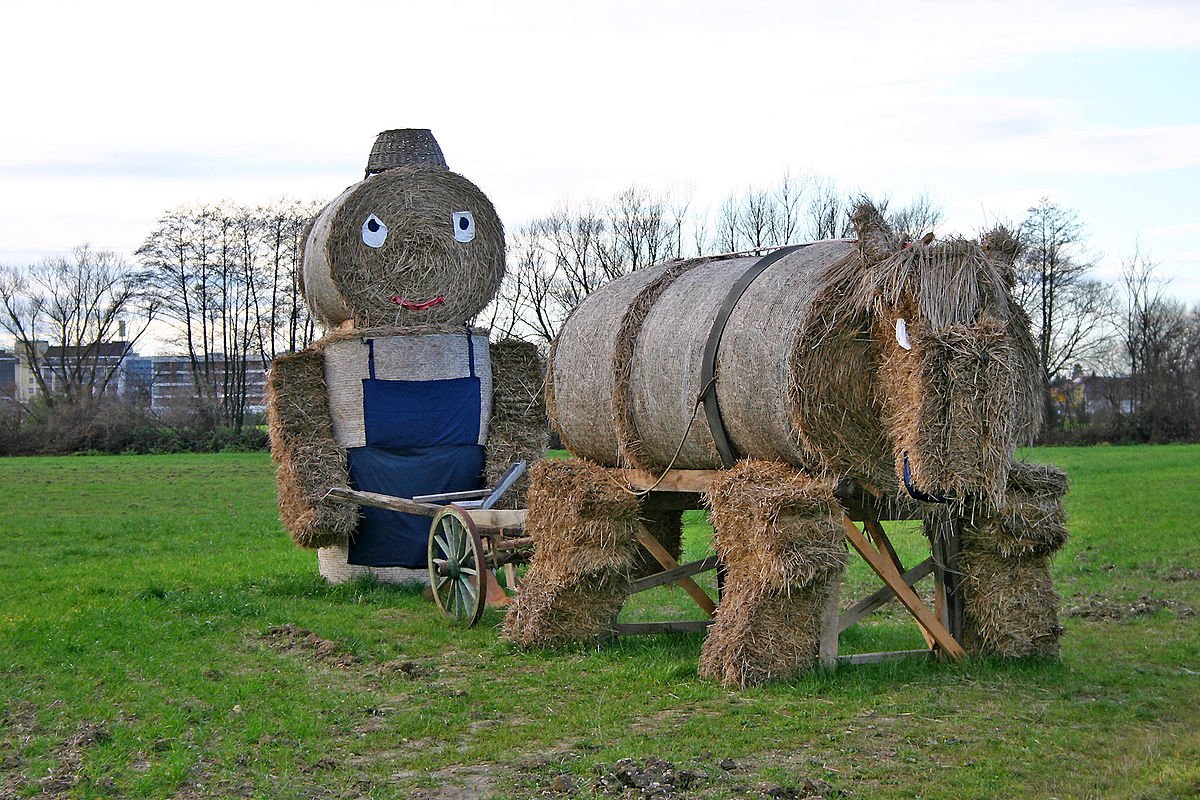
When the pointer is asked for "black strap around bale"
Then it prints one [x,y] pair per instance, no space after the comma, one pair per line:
[708,367]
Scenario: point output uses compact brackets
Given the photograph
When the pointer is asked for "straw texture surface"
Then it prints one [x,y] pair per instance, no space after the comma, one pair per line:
[778,534]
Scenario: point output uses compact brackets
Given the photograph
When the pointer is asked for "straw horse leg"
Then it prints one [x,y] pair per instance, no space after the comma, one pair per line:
[583,521]
[776,530]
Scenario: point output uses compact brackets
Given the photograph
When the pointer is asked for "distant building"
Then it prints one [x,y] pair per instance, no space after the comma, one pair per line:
[90,364]
[171,386]
[162,383]
[8,373]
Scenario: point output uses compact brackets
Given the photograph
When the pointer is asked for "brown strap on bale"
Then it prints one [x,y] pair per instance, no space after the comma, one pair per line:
[708,367]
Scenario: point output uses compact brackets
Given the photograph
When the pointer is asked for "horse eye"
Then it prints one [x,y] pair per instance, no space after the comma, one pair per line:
[464,226]
[902,334]
[374,232]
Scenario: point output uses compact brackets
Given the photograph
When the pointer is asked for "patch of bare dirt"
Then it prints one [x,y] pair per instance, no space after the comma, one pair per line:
[1103,608]
[62,779]
[469,782]
[289,638]
[654,778]
[1181,574]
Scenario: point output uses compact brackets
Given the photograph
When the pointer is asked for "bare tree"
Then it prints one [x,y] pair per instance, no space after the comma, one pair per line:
[227,277]
[1162,344]
[70,318]
[827,211]
[1069,312]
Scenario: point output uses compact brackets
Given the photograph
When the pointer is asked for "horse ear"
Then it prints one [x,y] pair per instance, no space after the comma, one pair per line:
[1000,245]
[876,239]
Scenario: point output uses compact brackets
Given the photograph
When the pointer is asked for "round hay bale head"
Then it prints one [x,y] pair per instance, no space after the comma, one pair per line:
[414,245]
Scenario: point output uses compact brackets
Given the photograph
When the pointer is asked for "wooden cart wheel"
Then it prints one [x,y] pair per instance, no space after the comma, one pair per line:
[456,565]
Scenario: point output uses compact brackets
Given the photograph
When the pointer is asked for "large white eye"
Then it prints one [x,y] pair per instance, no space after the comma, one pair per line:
[374,232]
[902,334]
[464,226]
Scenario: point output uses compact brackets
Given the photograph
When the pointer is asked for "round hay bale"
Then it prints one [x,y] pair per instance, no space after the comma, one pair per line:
[391,238]
[621,358]
[809,367]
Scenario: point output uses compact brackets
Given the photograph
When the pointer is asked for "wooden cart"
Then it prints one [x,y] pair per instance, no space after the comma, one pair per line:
[468,537]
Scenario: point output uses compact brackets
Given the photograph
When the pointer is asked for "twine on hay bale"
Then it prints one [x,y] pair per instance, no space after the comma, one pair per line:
[307,460]
[583,522]
[343,276]
[778,534]
[519,428]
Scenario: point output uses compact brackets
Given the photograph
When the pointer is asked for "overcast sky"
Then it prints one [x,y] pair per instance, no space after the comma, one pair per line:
[115,112]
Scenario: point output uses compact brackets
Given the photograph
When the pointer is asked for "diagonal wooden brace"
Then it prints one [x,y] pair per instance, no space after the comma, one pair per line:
[884,567]
[664,558]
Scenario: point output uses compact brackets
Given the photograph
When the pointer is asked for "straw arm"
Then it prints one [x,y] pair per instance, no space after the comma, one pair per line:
[519,426]
[308,460]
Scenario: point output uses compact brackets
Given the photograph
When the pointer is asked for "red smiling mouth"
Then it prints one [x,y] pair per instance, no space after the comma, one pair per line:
[415,305]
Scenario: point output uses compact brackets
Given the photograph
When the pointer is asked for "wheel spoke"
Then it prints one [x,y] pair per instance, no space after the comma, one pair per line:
[471,597]
[468,571]
[442,543]
[461,598]
[449,528]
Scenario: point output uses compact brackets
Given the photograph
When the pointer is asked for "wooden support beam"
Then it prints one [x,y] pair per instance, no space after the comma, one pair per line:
[887,571]
[484,518]
[882,543]
[675,480]
[635,628]
[672,575]
[668,562]
[882,596]
[385,501]
[827,652]
[879,658]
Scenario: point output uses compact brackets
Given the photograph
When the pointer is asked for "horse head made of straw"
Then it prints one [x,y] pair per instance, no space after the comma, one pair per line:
[957,383]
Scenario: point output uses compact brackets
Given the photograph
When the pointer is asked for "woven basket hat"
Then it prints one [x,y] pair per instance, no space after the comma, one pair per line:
[412,244]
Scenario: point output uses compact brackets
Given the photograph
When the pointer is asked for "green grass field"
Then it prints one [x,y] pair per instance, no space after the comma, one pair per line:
[161,637]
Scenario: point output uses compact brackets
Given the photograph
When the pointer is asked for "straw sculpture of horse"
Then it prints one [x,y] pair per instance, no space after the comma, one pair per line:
[904,365]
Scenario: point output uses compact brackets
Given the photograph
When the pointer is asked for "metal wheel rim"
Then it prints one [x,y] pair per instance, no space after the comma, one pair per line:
[456,564]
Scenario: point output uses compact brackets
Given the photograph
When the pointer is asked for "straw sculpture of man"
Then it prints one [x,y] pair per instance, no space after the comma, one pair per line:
[402,396]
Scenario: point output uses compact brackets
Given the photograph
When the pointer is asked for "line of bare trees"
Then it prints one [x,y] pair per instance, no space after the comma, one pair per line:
[557,260]
[219,280]
[222,279]
[226,279]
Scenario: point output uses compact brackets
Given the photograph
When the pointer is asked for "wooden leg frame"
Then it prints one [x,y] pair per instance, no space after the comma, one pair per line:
[941,626]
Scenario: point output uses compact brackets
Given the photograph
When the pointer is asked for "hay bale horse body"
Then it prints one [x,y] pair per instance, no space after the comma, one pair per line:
[907,367]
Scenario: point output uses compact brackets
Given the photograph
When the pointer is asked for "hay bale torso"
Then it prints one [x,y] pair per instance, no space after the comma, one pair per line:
[429,357]
[626,368]
[407,408]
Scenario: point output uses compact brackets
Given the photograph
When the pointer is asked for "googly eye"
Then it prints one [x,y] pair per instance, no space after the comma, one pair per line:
[374,232]
[464,226]
[902,334]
